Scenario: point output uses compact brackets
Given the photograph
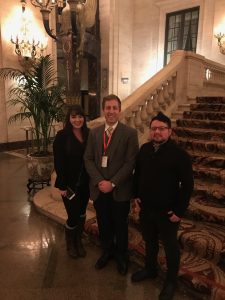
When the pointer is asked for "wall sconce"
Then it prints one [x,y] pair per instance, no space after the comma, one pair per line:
[220,36]
[124,80]
[208,74]
[26,45]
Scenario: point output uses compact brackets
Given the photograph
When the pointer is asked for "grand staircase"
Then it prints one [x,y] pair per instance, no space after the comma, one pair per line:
[201,131]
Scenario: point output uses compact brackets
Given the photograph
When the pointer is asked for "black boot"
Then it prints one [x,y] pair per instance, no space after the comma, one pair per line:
[78,238]
[69,237]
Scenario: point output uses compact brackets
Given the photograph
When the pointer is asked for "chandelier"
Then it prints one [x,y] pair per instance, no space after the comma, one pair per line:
[26,40]
[46,7]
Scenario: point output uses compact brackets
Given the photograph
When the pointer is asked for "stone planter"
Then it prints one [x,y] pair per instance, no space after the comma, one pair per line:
[55,194]
[40,168]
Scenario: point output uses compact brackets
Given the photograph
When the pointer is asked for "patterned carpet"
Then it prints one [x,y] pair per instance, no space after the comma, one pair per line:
[201,132]
[201,259]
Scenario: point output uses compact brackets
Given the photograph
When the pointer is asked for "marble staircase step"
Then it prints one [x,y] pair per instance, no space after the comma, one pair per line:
[199,133]
[178,114]
[207,124]
[201,210]
[184,106]
[210,194]
[180,109]
[204,115]
[215,100]
[206,159]
[212,107]
[209,174]
[201,145]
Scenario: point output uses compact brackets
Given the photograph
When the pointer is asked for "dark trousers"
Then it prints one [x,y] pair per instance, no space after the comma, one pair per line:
[77,206]
[156,225]
[112,218]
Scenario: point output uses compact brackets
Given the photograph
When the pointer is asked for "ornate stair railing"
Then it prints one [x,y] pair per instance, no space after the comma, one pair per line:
[187,76]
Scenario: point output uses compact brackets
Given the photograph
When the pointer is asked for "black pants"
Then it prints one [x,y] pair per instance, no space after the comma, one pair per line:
[112,218]
[156,225]
[77,206]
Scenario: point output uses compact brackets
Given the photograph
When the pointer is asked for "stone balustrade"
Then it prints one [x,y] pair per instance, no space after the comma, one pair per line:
[187,76]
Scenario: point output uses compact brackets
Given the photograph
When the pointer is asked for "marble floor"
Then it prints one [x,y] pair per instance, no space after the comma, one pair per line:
[33,261]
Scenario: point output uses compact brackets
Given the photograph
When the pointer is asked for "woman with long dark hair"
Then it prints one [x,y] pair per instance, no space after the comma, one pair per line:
[72,179]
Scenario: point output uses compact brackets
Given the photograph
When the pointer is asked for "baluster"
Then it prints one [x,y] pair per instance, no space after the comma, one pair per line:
[149,108]
[174,80]
[171,89]
[132,123]
[155,103]
[137,119]
[166,94]
[127,118]
[161,98]
[144,115]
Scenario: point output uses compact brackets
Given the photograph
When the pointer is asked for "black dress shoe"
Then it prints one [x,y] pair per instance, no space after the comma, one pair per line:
[143,274]
[103,260]
[122,266]
[168,291]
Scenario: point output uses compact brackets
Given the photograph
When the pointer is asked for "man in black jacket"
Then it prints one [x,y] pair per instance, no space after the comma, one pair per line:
[163,186]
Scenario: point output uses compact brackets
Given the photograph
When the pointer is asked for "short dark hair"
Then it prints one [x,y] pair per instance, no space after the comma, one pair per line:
[162,118]
[111,97]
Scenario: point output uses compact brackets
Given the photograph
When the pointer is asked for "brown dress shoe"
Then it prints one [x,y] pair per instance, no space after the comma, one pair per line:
[103,260]
[168,291]
[143,274]
[122,266]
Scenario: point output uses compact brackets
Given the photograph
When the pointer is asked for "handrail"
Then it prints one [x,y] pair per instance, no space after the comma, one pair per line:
[187,76]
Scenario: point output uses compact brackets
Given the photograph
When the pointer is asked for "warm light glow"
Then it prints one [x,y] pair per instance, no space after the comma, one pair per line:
[208,74]
[26,32]
[219,34]
[220,28]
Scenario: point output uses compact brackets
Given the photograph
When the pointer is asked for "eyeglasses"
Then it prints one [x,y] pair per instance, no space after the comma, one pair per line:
[160,129]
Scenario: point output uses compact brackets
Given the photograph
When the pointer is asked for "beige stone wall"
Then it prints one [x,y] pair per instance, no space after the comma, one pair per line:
[137,35]
[116,19]
[145,41]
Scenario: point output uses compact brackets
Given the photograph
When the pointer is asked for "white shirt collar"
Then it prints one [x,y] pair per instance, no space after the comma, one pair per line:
[114,126]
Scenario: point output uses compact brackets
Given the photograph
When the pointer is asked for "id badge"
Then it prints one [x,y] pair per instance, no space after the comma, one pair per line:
[104,161]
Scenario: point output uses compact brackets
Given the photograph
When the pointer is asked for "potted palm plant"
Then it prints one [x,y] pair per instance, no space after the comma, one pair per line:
[39,96]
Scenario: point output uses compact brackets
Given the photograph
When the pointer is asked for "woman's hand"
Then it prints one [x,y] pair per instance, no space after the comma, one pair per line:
[62,193]
[173,217]
[135,206]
